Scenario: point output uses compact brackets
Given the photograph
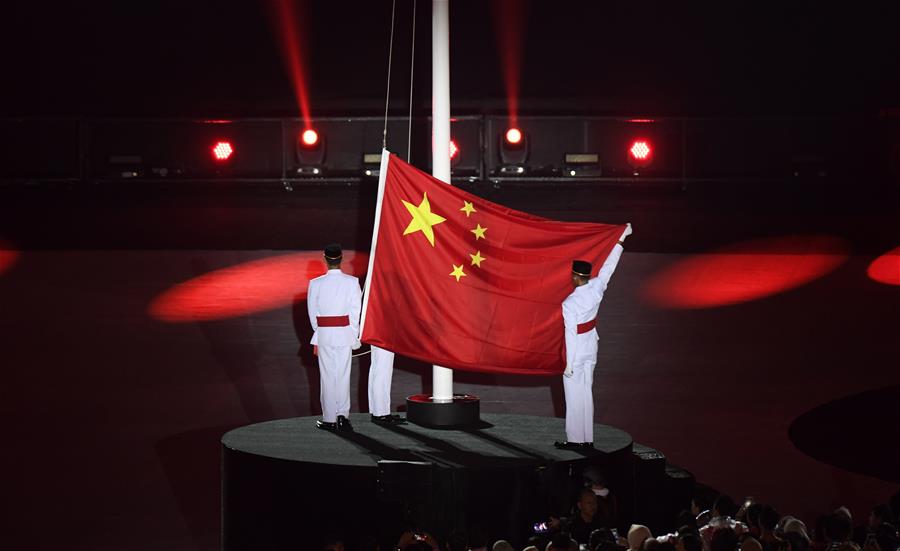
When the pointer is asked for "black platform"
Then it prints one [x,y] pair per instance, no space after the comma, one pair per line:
[284,480]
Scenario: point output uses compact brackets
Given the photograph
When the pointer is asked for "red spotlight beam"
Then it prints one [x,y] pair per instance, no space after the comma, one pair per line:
[290,29]
[509,21]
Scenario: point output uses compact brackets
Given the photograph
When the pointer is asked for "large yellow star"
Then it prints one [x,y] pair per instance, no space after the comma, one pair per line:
[468,208]
[477,259]
[422,219]
[479,232]
[457,272]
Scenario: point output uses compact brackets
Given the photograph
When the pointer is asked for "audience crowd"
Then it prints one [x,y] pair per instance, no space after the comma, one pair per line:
[714,523]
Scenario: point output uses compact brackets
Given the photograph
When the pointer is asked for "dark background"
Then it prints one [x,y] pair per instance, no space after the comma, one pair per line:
[207,58]
[114,417]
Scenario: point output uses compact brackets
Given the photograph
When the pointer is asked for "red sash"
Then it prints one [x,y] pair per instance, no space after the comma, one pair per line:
[586,326]
[333,321]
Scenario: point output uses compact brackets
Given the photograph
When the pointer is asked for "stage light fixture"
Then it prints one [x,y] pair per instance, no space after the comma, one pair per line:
[640,153]
[514,151]
[372,164]
[309,137]
[513,136]
[310,152]
[583,165]
[222,151]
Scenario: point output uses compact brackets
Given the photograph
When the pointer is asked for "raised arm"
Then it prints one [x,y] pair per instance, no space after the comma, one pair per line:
[609,266]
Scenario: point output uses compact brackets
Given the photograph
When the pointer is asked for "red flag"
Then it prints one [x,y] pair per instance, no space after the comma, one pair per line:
[464,283]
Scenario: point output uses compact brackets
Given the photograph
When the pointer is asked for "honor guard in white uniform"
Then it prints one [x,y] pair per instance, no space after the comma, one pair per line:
[579,315]
[380,374]
[334,302]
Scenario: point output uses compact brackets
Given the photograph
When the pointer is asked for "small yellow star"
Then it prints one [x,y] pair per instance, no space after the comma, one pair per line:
[422,219]
[477,258]
[468,208]
[458,272]
[479,232]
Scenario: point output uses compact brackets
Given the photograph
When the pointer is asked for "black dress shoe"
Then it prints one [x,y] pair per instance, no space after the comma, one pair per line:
[388,420]
[325,425]
[574,445]
[343,424]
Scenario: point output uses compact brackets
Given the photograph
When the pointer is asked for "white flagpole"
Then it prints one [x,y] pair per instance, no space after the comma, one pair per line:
[442,378]
[382,175]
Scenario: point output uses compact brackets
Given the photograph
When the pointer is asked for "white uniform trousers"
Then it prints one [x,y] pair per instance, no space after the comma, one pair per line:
[334,370]
[380,373]
[580,398]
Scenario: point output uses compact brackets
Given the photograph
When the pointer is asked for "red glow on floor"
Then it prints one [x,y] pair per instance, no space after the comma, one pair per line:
[743,272]
[886,268]
[247,288]
[8,257]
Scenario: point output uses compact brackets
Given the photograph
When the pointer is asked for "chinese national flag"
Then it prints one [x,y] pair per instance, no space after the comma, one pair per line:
[464,283]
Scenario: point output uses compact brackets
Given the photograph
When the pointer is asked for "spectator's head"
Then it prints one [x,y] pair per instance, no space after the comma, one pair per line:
[689,541]
[886,536]
[768,519]
[587,503]
[741,514]
[794,525]
[848,546]
[751,544]
[636,536]
[844,511]
[650,544]
[798,540]
[724,506]
[502,545]
[686,518]
[418,546]
[779,526]
[593,478]
[606,546]
[723,539]
[818,534]
[894,502]
[703,500]
[599,536]
[667,545]
[562,542]
[880,514]
[753,517]
[838,527]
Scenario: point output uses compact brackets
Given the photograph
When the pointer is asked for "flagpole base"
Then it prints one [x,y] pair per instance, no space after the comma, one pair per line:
[463,411]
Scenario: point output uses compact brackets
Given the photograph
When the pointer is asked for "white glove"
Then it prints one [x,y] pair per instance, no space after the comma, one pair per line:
[569,371]
[356,345]
[627,232]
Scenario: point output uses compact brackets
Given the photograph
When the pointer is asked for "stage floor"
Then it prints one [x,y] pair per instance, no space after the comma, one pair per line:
[286,478]
[500,439]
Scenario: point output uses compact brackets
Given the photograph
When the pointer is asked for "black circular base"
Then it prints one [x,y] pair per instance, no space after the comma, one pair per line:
[285,480]
[463,411]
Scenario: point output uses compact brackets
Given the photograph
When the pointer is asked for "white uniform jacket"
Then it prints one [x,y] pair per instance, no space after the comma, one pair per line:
[334,294]
[581,307]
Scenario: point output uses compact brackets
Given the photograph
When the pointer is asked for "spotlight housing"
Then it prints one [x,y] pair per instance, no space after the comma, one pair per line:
[514,150]
[310,153]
